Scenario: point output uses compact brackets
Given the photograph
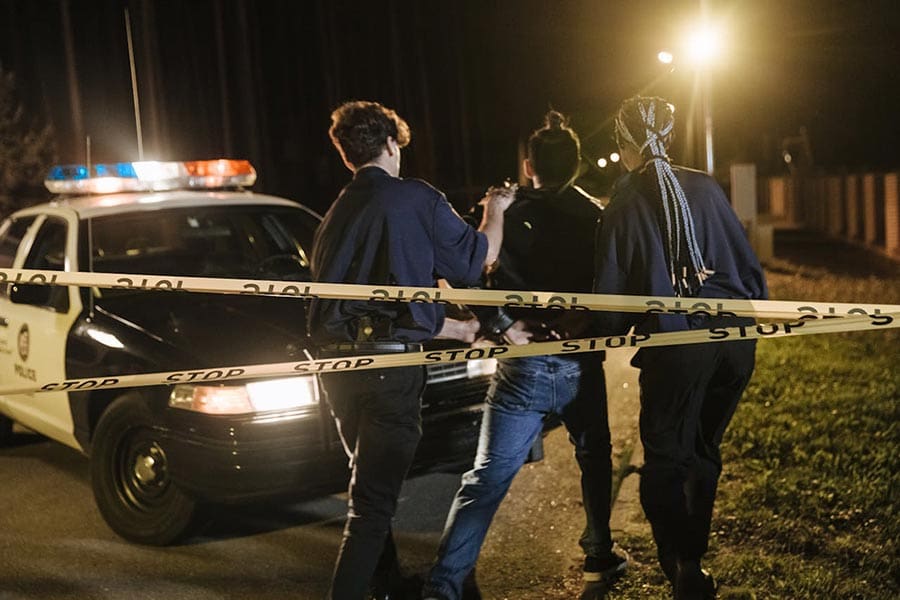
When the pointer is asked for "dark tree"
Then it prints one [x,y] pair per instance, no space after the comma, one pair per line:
[27,149]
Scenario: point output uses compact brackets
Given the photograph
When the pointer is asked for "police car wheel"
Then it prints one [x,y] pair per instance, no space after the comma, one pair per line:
[130,478]
[6,430]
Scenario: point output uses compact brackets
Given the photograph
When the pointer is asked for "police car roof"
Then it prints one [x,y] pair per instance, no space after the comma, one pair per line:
[100,205]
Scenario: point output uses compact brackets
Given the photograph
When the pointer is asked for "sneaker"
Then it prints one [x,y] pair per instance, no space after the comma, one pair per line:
[607,568]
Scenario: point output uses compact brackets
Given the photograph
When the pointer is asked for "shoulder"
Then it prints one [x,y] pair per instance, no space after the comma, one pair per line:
[588,200]
[406,197]
[419,187]
[694,178]
[627,194]
[700,188]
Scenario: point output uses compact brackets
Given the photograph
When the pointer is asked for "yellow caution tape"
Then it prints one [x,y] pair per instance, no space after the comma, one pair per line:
[808,325]
[763,309]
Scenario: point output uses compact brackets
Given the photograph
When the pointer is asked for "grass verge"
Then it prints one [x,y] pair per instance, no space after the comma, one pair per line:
[808,500]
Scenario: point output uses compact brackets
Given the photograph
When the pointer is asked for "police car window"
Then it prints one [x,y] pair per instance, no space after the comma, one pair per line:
[48,253]
[10,238]
[11,235]
[214,241]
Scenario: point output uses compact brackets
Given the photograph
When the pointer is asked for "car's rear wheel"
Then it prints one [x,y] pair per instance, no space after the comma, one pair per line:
[130,477]
[6,430]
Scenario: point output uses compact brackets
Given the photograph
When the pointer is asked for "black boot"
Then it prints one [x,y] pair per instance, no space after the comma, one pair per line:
[693,583]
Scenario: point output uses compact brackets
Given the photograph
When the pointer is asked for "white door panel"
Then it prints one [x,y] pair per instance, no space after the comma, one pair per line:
[34,339]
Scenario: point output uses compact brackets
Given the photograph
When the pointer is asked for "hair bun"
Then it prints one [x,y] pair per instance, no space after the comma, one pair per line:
[554,120]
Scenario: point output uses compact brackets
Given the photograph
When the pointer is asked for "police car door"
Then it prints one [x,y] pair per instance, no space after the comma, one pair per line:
[38,322]
[12,232]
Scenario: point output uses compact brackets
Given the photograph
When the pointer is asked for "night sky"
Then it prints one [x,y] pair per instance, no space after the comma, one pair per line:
[258,79]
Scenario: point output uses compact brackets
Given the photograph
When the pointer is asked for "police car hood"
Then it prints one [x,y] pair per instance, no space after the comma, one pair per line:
[210,330]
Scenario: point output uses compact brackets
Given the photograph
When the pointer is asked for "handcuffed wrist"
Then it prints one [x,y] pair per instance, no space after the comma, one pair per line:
[501,322]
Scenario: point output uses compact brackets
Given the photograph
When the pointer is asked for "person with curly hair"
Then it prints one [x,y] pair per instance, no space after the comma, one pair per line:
[385,230]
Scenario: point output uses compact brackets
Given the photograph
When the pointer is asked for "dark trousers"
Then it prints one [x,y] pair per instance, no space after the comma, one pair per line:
[378,417]
[688,396]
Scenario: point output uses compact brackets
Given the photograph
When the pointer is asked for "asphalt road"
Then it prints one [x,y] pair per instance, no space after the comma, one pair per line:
[54,544]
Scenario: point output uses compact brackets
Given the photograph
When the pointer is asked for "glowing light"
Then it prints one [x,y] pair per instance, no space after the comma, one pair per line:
[256,396]
[601,162]
[703,45]
[665,57]
[614,157]
[280,394]
[146,176]
[788,158]
[477,368]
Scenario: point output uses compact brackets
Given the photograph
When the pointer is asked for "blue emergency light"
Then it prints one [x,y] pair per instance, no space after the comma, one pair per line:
[149,176]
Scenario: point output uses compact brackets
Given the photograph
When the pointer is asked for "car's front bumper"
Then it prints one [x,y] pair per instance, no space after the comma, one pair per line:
[242,457]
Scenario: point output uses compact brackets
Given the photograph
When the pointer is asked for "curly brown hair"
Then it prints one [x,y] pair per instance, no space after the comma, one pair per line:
[360,129]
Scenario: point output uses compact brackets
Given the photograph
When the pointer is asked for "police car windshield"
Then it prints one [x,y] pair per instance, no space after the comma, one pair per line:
[264,242]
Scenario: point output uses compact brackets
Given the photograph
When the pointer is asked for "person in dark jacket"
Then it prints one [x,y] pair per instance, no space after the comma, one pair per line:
[385,230]
[670,231]
[548,242]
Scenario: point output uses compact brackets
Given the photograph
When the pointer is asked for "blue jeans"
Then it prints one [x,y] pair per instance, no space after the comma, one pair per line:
[523,392]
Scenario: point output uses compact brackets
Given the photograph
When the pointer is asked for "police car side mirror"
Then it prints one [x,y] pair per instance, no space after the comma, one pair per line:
[37,295]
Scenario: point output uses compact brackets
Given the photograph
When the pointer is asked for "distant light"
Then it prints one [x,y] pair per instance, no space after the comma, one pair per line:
[703,45]
[788,158]
[601,162]
[665,57]
[614,157]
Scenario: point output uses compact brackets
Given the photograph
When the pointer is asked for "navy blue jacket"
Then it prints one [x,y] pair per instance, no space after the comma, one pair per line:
[631,258]
[390,231]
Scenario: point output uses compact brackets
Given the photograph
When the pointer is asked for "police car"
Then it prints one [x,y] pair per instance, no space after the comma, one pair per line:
[159,455]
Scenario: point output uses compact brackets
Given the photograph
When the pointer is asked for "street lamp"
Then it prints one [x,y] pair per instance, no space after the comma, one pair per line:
[702,47]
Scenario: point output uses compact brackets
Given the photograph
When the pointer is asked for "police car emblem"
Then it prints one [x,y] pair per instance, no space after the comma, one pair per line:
[24,342]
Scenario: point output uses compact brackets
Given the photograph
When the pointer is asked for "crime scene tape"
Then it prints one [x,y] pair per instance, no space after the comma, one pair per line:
[763,309]
[802,326]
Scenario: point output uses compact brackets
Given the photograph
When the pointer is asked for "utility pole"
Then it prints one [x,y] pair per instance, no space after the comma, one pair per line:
[72,74]
[134,87]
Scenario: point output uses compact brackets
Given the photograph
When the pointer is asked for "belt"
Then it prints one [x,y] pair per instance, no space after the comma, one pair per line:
[356,348]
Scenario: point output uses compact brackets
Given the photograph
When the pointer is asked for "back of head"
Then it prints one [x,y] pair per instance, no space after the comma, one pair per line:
[554,152]
[646,122]
[360,129]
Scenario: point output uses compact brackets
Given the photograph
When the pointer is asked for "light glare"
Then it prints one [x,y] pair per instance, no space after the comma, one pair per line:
[665,57]
[601,162]
[703,45]
[614,157]
[279,394]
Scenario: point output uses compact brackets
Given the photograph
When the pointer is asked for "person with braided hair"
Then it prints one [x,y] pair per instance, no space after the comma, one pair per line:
[548,242]
[670,231]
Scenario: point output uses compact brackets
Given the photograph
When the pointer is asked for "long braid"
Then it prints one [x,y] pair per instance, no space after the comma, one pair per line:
[647,123]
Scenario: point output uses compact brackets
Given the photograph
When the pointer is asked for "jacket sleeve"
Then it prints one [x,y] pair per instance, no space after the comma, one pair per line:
[611,276]
[459,249]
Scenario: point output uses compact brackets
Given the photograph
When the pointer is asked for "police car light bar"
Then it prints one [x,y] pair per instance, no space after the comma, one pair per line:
[149,176]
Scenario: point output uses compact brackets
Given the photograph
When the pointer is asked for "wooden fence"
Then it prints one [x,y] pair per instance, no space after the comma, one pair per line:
[863,208]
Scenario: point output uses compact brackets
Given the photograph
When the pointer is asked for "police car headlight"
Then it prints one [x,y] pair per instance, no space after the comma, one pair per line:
[257,396]
[481,366]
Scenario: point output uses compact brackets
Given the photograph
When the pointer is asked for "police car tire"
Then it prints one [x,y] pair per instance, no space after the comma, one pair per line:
[6,430]
[157,513]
